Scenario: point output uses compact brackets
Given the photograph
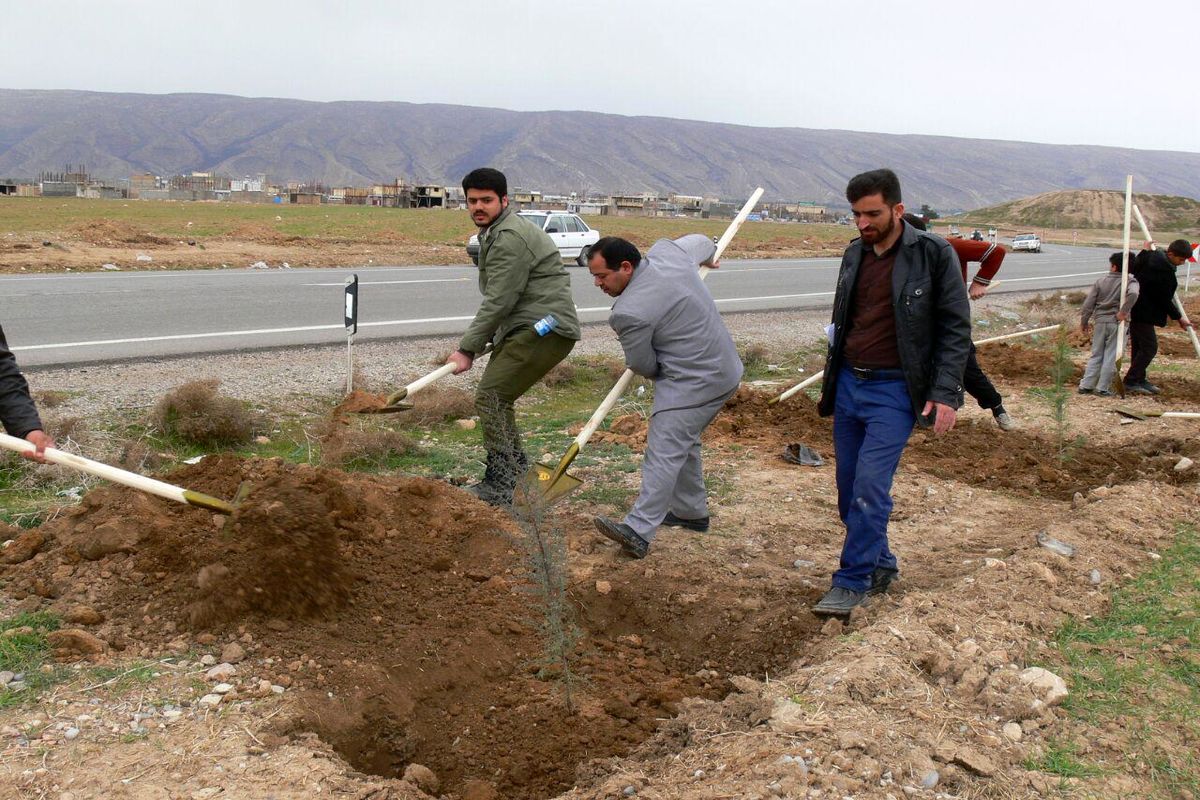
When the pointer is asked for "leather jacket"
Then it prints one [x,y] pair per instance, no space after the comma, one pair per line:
[933,320]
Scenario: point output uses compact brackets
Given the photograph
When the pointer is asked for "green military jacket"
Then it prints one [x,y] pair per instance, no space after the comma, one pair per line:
[522,279]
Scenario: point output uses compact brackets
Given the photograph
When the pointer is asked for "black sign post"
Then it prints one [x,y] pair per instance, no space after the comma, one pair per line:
[350,314]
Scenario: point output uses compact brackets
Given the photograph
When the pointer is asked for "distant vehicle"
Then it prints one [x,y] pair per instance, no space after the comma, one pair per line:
[954,233]
[976,235]
[1027,241]
[570,233]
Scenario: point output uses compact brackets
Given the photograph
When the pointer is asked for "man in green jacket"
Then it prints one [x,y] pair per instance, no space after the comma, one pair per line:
[527,314]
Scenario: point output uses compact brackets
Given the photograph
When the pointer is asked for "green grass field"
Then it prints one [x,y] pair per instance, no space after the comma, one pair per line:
[54,218]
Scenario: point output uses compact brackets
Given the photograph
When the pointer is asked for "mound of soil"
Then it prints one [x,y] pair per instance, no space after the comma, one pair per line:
[1028,464]
[111,233]
[749,415]
[1019,364]
[1183,394]
[261,234]
[400,609]
[359,401]
[1174,345]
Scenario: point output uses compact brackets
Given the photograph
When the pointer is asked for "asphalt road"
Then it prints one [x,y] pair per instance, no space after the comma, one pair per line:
[79,318]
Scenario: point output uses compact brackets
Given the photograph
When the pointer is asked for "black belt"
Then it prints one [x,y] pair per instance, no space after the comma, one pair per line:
[867,374]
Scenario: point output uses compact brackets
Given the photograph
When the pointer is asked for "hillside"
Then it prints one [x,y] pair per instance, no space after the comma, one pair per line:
[1092,209]
[356,143]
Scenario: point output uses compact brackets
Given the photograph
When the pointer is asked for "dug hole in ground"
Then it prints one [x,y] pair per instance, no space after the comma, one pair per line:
[378,636]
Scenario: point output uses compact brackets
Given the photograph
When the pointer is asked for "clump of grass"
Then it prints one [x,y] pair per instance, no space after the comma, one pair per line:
[562,373]
[354,449]
[23,649]
[49,398]
[438,404]
[755,356]
[196,414]
[1060,758]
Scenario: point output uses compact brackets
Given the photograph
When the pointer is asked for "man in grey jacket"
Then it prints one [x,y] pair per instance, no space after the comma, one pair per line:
[1101,307]
[672,333]
[17,411]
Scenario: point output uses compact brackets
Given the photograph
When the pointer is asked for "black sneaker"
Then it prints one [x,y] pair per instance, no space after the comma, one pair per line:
[699,524]
[1103,393]
[622,534]
[838,602]
[881,579]
[1138,388]
[1153,389]
[1082,390]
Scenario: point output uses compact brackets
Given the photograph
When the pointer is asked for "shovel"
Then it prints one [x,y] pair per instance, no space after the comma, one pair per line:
[393,403]
[1132,413]
[551,483]
[116,475]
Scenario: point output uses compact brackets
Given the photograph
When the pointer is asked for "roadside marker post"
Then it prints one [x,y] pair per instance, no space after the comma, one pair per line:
[350,314]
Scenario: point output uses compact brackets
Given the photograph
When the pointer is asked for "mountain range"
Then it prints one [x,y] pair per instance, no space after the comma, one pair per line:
[358,143]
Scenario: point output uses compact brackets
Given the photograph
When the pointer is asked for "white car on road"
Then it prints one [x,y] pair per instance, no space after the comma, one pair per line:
[1027,241]
[572,235]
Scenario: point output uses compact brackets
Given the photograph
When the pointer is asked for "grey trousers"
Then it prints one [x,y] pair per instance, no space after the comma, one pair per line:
[1099,371]
[672,476]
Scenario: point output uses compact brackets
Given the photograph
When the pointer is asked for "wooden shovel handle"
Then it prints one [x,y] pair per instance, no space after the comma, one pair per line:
[117,475]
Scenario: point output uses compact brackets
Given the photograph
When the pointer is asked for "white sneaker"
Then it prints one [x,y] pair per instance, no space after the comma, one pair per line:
[1006,422]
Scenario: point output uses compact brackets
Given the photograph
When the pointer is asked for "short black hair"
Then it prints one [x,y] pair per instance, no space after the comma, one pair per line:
[1115,258]
[486,179]
[915,221]
[1180,248]
[877,181]
[614,250]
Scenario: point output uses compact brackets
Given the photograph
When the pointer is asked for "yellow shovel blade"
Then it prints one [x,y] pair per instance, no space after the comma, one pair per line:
[550,488]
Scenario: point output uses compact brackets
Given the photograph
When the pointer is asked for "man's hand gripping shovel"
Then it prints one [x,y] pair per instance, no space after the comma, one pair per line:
[125,478]
[394,403]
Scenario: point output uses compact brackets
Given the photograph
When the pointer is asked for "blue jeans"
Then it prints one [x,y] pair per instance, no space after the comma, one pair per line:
[872,421]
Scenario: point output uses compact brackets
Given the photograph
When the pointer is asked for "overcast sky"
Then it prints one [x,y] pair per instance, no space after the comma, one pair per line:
[1100,72]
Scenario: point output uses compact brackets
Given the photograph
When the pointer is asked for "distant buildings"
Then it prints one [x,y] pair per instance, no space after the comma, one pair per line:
[210,186]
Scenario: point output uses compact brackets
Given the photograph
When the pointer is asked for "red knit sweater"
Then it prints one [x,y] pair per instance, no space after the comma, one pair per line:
[988,255]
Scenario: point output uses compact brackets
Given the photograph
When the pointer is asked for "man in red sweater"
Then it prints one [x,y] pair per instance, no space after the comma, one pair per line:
[988,255]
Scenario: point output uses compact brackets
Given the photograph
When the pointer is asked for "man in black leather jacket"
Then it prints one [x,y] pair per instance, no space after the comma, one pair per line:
[17,411]
[899,343]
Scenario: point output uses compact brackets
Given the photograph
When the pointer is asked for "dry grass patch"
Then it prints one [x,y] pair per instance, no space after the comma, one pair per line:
[195,413]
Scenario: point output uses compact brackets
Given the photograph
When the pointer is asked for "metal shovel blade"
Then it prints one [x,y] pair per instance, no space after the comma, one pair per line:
[390,408]
[1132,414]
[550,488]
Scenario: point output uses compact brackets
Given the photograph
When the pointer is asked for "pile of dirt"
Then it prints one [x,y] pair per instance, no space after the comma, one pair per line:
[1019,364]
[1174,345]
[111,233]
[1028,464]
[399,608]
[261,234]
[749,415]
[360,401]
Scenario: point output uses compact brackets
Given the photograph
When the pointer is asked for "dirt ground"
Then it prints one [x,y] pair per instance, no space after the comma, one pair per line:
[382,638]
[88,248]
